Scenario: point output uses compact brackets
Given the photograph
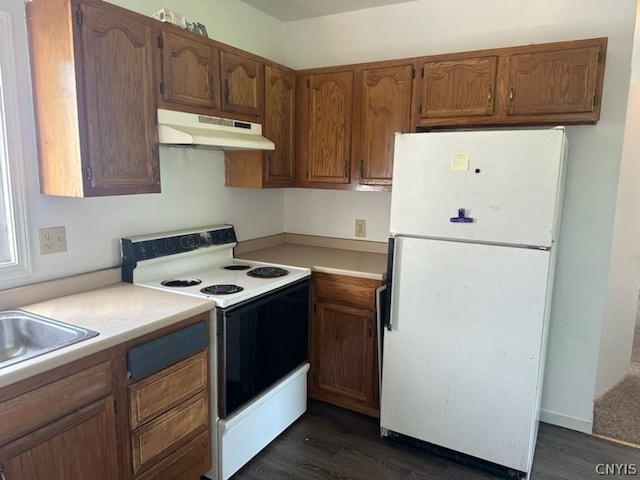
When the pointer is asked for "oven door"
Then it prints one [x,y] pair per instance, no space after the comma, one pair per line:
[259,342]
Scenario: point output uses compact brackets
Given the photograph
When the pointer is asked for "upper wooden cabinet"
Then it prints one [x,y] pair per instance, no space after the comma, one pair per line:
[346,121]
[546,84]
[95,110]
[279,122]
[557,80]
[190,70]
[242,83]
[385,104]
[324,114]
[459,87]
[272,168]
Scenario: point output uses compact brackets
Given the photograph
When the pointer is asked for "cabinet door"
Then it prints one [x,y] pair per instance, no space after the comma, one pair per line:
[190,70]
[557,81]
[328,110]
[80,445]
[458,87]
[278,124]
[386,109]
[242,84]
[342,352]
[122,137]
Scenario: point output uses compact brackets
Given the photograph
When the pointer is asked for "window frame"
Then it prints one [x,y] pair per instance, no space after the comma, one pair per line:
[13,101]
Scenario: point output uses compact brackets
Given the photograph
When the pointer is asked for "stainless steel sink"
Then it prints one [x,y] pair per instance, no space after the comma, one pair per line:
[24,335]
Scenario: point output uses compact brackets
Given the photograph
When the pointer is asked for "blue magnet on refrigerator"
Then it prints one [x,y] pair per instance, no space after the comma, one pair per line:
[462,217]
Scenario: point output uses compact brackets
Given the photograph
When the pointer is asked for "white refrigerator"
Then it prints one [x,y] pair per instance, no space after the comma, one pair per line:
[473,236]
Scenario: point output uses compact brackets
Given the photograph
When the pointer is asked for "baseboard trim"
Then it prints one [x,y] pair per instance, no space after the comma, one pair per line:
[572,423]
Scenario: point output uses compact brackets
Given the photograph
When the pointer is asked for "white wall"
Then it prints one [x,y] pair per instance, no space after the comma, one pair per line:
[192,180]
[333,213]
[432,26]
[229,21]
[624,275]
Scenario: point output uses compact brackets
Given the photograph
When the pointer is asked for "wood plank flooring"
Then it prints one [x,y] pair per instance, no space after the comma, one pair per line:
[328,442]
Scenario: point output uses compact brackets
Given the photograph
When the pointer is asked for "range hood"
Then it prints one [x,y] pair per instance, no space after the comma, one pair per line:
[191,129]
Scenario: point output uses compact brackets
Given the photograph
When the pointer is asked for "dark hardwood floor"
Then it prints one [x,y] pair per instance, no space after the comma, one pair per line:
[328,442]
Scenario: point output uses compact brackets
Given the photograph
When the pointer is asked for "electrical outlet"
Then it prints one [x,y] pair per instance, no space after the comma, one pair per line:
[52,240]
[361,228]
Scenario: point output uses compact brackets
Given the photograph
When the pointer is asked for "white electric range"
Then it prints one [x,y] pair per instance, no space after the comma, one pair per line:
[258,332]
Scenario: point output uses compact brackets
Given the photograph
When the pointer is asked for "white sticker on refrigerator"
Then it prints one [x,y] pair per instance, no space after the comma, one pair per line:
[460,161]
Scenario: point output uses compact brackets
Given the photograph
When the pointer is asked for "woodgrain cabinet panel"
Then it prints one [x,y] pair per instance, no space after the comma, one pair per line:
[62,423]
[190,70]
[186,463]
[386,102]
[160,392]
[174,428]
[555,81]
[324,128]
[343,343]
[545,84]
[242,83]
[279,121]
[80,445]
[255,169]
[345,336]
[93,84]
[23,413]
[463,87]
[168,432]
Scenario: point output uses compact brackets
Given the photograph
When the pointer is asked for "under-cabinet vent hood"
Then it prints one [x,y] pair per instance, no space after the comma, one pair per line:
[191,129]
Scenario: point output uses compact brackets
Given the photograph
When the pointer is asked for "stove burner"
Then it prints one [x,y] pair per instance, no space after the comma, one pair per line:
[181,282]
[237,266]
[268,272]
[222,289]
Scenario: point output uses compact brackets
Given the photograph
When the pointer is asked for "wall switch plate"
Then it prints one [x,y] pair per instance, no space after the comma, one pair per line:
[52,240]
[361,228]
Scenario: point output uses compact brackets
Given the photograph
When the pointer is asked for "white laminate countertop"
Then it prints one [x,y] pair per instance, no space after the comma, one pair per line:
[324,259]
[118,312]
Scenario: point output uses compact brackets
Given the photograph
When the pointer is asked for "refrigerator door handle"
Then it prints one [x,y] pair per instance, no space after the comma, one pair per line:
[386,307]
[380,302]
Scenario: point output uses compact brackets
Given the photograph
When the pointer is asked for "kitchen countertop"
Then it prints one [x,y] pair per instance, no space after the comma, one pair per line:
[337,261]
[118,312]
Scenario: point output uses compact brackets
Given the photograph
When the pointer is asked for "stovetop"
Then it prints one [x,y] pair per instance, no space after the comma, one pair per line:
[188,262]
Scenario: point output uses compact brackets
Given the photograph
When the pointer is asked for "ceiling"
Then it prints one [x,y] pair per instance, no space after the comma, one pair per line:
[290,10]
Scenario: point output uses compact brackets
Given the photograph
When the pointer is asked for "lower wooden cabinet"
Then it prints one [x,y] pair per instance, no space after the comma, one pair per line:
[62,424]
[79,445]
[168,410]
[86,420]
[168,398]
[343,343]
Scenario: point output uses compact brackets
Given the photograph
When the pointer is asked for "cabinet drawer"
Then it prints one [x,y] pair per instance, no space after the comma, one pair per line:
[350,290]
[187,462]
[167,388]
[155,439]
[42,405]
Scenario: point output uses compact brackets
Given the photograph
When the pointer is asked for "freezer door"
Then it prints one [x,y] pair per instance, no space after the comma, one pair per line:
[463,362]
[493,186]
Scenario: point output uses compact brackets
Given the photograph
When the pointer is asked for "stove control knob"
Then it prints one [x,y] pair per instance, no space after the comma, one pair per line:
[190,241]
[206,238]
